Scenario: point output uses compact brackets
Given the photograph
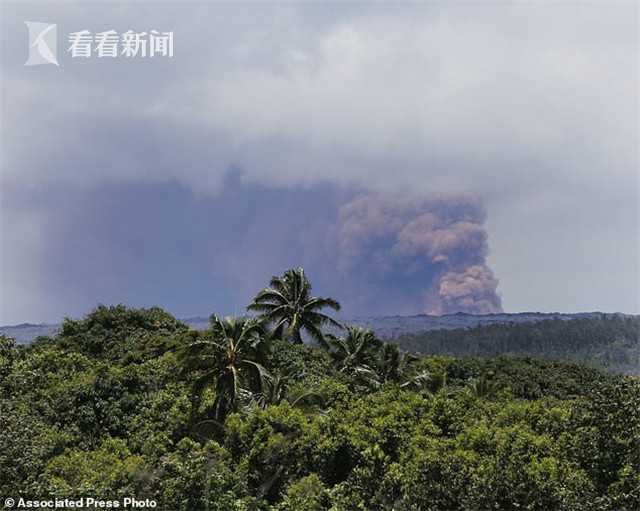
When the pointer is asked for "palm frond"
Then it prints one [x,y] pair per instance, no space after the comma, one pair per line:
[322,303]
[322,319]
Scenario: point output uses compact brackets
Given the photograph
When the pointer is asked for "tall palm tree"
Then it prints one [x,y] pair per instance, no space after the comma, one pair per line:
[289,306]
[228,359]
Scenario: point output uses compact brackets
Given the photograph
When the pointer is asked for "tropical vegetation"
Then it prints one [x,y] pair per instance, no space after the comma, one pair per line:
[245,416]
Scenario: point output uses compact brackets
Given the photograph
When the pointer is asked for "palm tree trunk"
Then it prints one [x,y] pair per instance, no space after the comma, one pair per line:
[296,338]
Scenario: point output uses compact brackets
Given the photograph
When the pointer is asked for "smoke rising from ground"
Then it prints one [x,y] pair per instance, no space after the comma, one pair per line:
[471,290]
[433,249]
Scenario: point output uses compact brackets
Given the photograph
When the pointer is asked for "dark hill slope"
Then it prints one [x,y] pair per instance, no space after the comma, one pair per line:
[609,341]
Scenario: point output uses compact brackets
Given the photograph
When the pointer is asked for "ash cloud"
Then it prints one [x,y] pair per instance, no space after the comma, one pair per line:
[379,254]
[431,249]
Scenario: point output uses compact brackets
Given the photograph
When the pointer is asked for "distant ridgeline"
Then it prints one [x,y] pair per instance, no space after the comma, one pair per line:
[386,326]
[610,341]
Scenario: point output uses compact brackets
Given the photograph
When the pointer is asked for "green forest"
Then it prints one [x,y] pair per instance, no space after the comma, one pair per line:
[246,416]
[611,341]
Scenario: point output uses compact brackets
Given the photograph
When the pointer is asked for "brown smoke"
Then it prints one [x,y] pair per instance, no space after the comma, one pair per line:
[418,254]
[472,290]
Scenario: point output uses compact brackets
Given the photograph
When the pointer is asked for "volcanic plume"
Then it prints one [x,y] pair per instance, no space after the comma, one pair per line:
[411,255]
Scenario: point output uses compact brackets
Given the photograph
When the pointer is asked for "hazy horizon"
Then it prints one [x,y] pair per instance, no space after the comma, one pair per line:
[205,316]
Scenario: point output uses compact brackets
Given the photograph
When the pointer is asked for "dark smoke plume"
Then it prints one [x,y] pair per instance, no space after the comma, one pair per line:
[160,244]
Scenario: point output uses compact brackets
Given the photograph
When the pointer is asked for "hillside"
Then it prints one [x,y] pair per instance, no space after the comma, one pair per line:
[608,341]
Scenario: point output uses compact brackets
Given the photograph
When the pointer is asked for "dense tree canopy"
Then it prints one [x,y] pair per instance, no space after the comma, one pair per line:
[131,402]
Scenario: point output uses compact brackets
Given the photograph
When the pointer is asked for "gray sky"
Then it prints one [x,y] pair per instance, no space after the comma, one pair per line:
[529,107]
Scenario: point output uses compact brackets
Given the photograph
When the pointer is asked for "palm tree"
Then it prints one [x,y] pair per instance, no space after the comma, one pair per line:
[227,358]
[288,305]
[276,389]
[393,365]
[483,386]
[356,349]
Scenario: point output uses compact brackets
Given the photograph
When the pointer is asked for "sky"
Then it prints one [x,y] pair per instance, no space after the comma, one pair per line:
[414,157]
